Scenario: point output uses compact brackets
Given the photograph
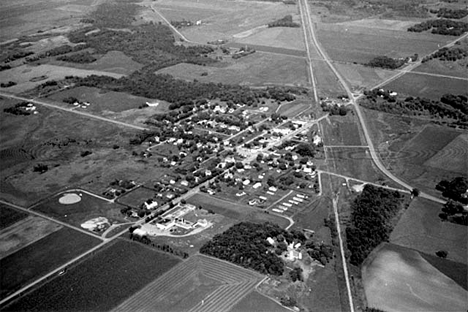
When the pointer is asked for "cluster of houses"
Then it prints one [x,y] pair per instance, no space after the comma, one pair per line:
[287,204]
[292,252]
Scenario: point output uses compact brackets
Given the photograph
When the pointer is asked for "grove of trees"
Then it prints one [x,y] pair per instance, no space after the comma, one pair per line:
[441,27]
[372,213]
[286,21]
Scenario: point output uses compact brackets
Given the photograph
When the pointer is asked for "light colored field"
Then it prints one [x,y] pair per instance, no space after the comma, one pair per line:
[431,87]
[421,228]
[359,76]
[373,23]
[254,69]
[453,157]
[327,83]
[257,302]
[238,17]
[361,44]
[23,233]
[401,280]
[281,37]
[199,284]
[341,131]
[22,74]
[113,62]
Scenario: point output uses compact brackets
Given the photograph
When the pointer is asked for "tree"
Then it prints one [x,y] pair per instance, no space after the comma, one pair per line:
[415,192]
[305,149]
[442,254]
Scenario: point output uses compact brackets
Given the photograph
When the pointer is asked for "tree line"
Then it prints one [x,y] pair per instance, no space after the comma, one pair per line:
[286,21]
[372,213]
[441,27]
[448,54]
[450,13]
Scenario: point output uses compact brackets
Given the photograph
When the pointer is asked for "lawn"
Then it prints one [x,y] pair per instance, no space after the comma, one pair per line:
[235,211]
[9,216]
[88,208]
[399,279]
[431,87]
[136,197]
[420,228]
[39,258]
[341,131]
[101,282]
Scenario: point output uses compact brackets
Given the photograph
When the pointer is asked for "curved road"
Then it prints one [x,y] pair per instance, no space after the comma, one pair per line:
[353,99]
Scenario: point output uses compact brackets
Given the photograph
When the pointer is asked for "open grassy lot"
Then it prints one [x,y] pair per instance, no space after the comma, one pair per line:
[420,228]
[37,259]
[88,208]
[23,74]
[354,43]
[278,37]
[327,83]
[399,279]
[353,162]
[235,211]
[312,216]
[136,197]
[102,102]
[100,282]
[255,69]
[218,284]
[25,17]
[57,139]
[255,301]
[431,87]
[339,130]
[294,108]
[9,216]
[24,232]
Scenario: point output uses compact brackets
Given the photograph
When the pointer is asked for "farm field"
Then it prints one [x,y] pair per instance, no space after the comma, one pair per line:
[24,73]
[362,77]
[447,68]
[457,271]
[117,271]
[107,102]
[9,216]
[398,279]
[87,208]
[456,151]
[255,301]
[350,43]
[239,19]
[34,260]
[255,69]
[294,108]
[26,17]
[24,232]
[278,37]
[431,87]
[198,284]
[420,228]
[267,49]
[341,131]
[235,211]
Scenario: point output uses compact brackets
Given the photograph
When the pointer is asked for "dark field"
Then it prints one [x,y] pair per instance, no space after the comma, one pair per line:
[235,211]
[455,270]
[136,197]
[9,216]
[258,303]
[37,259]
[420,228]
[101,282]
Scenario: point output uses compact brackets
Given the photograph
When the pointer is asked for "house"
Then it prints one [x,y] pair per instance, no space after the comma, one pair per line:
[253,202]
[184,183]
[208,173]
[317,139]
[201,223]
[270,240]
[246,182]
[139,233]
[257,185]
